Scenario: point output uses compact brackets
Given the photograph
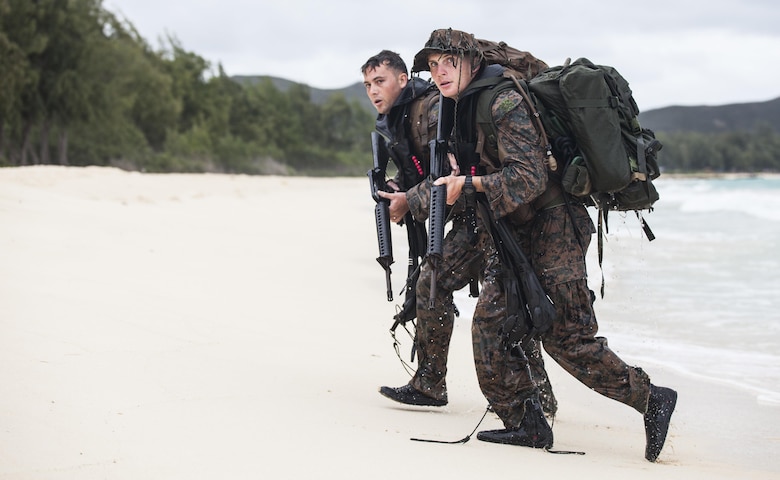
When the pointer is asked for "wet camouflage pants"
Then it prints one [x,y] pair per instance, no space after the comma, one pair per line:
[460,262]
[572,342]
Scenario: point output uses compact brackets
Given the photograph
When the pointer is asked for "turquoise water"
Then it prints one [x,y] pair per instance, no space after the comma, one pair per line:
[703,298]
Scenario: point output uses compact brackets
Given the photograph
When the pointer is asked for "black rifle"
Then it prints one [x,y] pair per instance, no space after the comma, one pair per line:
[415,231]
[376,177]
[437,212]
[530,311]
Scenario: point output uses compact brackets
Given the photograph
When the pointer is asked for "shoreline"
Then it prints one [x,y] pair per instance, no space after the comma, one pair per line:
[664,174]
[720,175]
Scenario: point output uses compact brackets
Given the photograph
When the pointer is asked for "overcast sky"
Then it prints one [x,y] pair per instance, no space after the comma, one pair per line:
[672,52]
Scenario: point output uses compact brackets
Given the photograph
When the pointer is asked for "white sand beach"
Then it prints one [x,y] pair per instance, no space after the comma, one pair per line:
[235,327]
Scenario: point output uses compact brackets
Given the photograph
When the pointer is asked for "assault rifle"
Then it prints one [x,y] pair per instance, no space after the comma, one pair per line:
[438,201]
[376,177]
[415,232]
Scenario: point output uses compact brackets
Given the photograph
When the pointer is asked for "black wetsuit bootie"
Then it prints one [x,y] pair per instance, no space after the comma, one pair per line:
[660,406]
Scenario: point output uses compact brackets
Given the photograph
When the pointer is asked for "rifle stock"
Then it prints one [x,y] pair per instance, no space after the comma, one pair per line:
[376,177]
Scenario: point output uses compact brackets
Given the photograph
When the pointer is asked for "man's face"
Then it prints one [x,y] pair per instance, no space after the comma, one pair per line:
[383,85]
[452,74]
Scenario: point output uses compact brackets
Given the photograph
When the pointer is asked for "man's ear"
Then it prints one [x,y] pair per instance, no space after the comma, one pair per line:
[403,79]
[476,63]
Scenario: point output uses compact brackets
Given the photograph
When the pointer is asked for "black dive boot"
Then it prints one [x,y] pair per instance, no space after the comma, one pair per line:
[411,396]
[660,406]
[534,431]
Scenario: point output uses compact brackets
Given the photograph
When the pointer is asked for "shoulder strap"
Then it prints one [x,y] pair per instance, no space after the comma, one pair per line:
[487,139]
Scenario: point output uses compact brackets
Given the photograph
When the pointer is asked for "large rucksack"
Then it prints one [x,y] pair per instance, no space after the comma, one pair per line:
[520,63]
[590,119]
[587,119]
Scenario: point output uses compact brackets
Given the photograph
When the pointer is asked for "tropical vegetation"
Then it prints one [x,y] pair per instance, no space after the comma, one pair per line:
[80,86]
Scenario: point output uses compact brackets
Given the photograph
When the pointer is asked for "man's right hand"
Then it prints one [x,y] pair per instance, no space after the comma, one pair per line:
[398,205]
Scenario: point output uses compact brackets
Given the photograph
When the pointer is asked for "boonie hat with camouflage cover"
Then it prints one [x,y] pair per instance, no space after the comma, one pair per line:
[445,40]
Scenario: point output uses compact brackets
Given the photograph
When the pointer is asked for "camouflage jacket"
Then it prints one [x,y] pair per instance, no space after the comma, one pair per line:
[514,179]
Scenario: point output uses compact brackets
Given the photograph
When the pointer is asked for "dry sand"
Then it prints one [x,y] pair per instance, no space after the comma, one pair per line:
[231,327]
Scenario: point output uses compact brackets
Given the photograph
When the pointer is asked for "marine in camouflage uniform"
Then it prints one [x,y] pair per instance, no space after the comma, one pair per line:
[516,179]
[464,257]
[406,128]
[406,116]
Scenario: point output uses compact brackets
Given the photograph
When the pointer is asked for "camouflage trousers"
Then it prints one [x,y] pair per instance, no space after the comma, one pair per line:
[559,259]
[463,259]
[572,342]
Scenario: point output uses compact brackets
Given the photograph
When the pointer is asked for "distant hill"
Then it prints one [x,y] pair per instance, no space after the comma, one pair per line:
[706,119]
[354,91]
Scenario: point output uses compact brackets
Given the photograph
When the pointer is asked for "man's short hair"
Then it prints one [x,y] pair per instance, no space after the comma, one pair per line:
[385,57]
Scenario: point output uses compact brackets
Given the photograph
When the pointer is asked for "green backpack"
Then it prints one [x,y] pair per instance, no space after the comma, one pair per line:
[587,117]
[591,116]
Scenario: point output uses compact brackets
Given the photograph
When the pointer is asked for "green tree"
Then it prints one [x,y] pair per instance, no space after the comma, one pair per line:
[24,42]
[13,71]
[73,29]
[111,134]
[187,71]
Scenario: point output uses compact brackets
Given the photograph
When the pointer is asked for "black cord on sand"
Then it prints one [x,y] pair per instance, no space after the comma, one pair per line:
[564,452]
[468,437]
[462,440]
[396,346]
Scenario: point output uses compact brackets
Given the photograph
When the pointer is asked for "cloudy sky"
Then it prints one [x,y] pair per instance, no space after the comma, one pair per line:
[673,52]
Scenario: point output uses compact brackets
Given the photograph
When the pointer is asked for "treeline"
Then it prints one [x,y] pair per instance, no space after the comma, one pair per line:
[753,151]
[80,86]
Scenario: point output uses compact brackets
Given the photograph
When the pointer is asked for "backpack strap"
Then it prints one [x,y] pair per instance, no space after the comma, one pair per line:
[609,102]
[487,140]
[552,163]
[487,136]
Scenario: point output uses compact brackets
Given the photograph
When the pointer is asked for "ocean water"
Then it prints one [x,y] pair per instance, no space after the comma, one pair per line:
[703,298]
